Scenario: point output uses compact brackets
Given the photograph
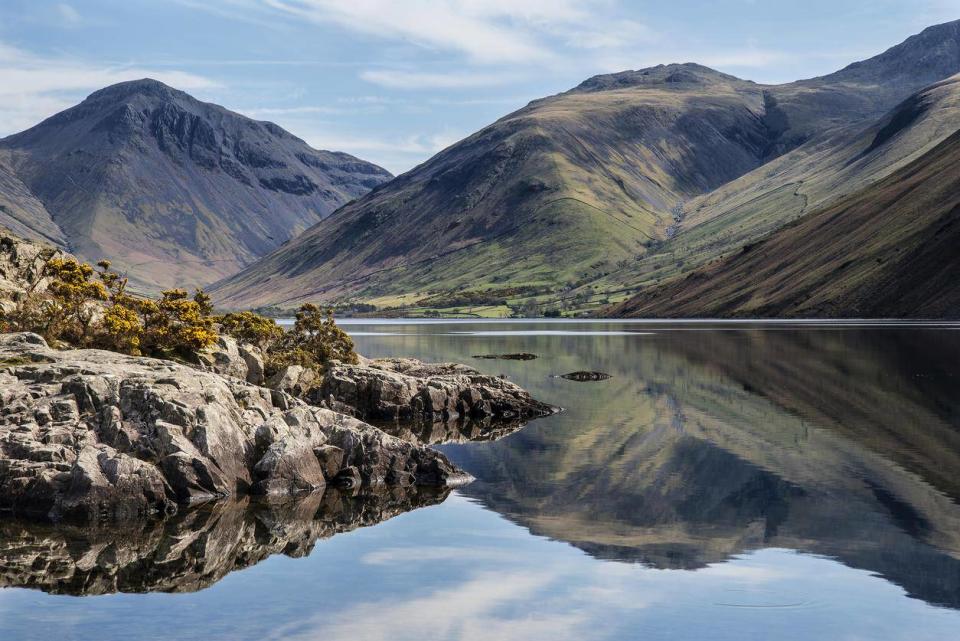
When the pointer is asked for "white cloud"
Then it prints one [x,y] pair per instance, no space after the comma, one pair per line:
[485,31]
[34,87]
[426,80]
[68,15]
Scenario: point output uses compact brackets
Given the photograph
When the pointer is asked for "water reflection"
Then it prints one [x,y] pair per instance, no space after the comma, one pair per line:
[191,551]
[778,482]
[462,429]
[706,445]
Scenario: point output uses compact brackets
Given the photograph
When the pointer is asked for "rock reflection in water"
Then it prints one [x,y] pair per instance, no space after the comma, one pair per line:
[457,430]
[192,550]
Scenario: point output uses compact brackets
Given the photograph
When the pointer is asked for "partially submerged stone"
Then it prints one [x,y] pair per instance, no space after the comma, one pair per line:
[518,356]
[585,376]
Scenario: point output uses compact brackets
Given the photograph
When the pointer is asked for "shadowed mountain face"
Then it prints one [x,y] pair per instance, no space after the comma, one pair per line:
[191,551]
[567,187]
[708,444]
[887,251]
[173,190]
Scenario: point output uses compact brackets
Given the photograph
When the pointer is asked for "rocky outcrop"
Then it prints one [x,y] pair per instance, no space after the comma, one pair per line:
[229,358]
[192,550]
[90,434]
[410,390]
[21,267]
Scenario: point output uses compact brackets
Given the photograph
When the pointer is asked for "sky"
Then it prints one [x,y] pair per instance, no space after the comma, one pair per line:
[395,81]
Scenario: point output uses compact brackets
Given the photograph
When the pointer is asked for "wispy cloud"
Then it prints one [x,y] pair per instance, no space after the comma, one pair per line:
[485,31]
[471,611]
[425,80]
[68,15]
[34,87]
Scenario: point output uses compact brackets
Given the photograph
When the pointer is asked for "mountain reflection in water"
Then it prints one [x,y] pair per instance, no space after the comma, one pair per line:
[729,481]
[708,444]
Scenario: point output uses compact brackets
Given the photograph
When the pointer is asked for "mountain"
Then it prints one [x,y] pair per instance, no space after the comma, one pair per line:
[721,223]
[579,185]
[176,192]
[887,251]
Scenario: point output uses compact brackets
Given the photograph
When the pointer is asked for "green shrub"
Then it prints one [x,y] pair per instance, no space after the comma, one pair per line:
[313,341]
[248,327]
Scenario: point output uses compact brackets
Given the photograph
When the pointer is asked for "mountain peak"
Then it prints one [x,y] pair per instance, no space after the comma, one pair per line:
[670,74]
[184,191]
[143,86]
[931,54]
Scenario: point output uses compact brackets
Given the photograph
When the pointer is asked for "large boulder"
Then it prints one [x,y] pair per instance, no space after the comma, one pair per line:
[407,389]
[88,434]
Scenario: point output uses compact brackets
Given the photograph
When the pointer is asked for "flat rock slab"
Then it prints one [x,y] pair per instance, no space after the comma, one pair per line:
[91,434]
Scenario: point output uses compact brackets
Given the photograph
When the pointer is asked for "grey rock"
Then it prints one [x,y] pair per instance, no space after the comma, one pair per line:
[408,389]
[90,434]
[295,380]
[230,358]
[253,357]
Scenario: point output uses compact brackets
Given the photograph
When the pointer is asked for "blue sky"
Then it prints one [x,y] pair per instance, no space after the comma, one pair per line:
[396,81]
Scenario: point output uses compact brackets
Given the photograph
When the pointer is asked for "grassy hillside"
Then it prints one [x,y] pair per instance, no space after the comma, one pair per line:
[890,250]
[593,193]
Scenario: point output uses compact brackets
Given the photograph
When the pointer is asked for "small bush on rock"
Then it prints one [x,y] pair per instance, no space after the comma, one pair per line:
[248,327]
[314,340]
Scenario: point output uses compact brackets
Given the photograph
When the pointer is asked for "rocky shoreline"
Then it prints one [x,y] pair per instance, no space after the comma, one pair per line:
[88,435]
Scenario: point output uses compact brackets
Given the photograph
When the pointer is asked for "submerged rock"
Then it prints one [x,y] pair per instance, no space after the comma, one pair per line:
[519,356]
[90,434]
[585,376]
[409,390]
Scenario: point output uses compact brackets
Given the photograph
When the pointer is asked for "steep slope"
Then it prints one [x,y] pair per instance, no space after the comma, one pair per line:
[538,196]
[890,250]
[819,173]
[569,187]
[173,190]
[22,213]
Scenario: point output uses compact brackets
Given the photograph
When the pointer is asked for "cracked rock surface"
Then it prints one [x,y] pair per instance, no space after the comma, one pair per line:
[91,434]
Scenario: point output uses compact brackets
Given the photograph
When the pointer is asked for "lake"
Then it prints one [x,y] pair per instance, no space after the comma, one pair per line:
[741,481]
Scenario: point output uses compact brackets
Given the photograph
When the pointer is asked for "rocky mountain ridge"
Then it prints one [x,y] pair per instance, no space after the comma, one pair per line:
[174,191]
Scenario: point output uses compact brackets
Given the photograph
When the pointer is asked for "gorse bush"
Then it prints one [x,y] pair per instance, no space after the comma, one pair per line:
[248,327]
[314,340]
[84,307]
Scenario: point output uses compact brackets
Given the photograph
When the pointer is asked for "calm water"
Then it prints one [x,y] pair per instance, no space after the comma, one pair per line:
[737,481]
